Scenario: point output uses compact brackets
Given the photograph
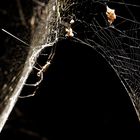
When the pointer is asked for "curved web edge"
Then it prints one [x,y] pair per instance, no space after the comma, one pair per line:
[118,43]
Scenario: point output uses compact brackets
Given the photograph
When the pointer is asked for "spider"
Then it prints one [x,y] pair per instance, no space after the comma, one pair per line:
[69,30]
[110,15]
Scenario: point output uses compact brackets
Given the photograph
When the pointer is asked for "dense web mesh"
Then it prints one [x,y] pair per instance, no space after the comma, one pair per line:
[118,42]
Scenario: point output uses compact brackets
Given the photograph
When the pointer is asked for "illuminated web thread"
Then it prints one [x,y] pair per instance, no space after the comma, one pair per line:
[119,43]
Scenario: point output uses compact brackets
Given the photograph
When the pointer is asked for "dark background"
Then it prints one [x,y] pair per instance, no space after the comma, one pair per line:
[81,97]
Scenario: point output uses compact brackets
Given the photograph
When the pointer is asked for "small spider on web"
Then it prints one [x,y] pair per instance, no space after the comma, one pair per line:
[111,16]
[69,30]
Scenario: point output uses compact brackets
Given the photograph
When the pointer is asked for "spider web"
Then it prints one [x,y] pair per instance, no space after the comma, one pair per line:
[117,43]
